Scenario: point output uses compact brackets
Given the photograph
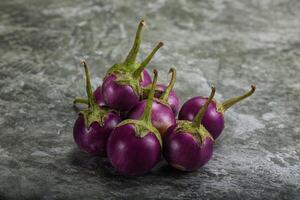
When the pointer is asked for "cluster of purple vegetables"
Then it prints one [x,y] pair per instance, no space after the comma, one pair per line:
[132,120]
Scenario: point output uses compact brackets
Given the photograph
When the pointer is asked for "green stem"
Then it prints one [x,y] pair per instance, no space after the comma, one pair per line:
[197,120]
[147,112]
[80,100]
[230,102]
[136,45]
[166,93]
[89,90]
[139,70]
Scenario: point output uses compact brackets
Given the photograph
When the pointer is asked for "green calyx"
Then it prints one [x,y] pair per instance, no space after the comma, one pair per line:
[130,71]
[222,107]
[144,125]
[200,133]
[142,128]
[195,127]
[127,79]
[93,113]
[96,115]
[119,69]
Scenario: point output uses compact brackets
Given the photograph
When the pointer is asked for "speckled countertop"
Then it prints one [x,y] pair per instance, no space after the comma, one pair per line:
[229,43]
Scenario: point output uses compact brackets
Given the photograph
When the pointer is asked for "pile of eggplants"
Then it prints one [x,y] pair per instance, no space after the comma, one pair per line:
[132,120]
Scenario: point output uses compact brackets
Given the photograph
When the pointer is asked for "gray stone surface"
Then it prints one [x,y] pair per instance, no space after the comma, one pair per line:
[229,43]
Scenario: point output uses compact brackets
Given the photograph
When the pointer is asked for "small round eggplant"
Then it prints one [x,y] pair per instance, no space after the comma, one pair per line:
[134,147]
[122,85]
[94,124]
[188,145]
[213,119]
[117,96]
[162,116]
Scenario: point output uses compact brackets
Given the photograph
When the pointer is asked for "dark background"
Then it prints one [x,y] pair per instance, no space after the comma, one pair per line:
[231,44]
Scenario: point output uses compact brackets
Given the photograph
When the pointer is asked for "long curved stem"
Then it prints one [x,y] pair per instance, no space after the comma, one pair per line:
[197,120]
[230,102]
[166,93]
[89,90]
[147,112]
[136,45]
[139,70]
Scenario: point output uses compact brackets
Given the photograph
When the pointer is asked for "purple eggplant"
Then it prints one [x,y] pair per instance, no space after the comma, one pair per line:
[162,116]
[134,147]
[188,145]
[213,119]
[122,85]
[94,124]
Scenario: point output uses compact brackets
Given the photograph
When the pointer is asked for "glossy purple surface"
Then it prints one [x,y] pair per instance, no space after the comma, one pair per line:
[131,155]
[147,80]
[182,151]
[93,140]
[173,99]
[116,96]
[213,121]
[162,116]
[99,96]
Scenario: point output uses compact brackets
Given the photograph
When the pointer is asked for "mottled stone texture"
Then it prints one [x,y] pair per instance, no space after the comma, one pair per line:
[229,43]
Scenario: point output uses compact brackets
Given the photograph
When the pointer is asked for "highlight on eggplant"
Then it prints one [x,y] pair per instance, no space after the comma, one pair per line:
[134,147]
[188,145]
[213,119]
[94,124]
